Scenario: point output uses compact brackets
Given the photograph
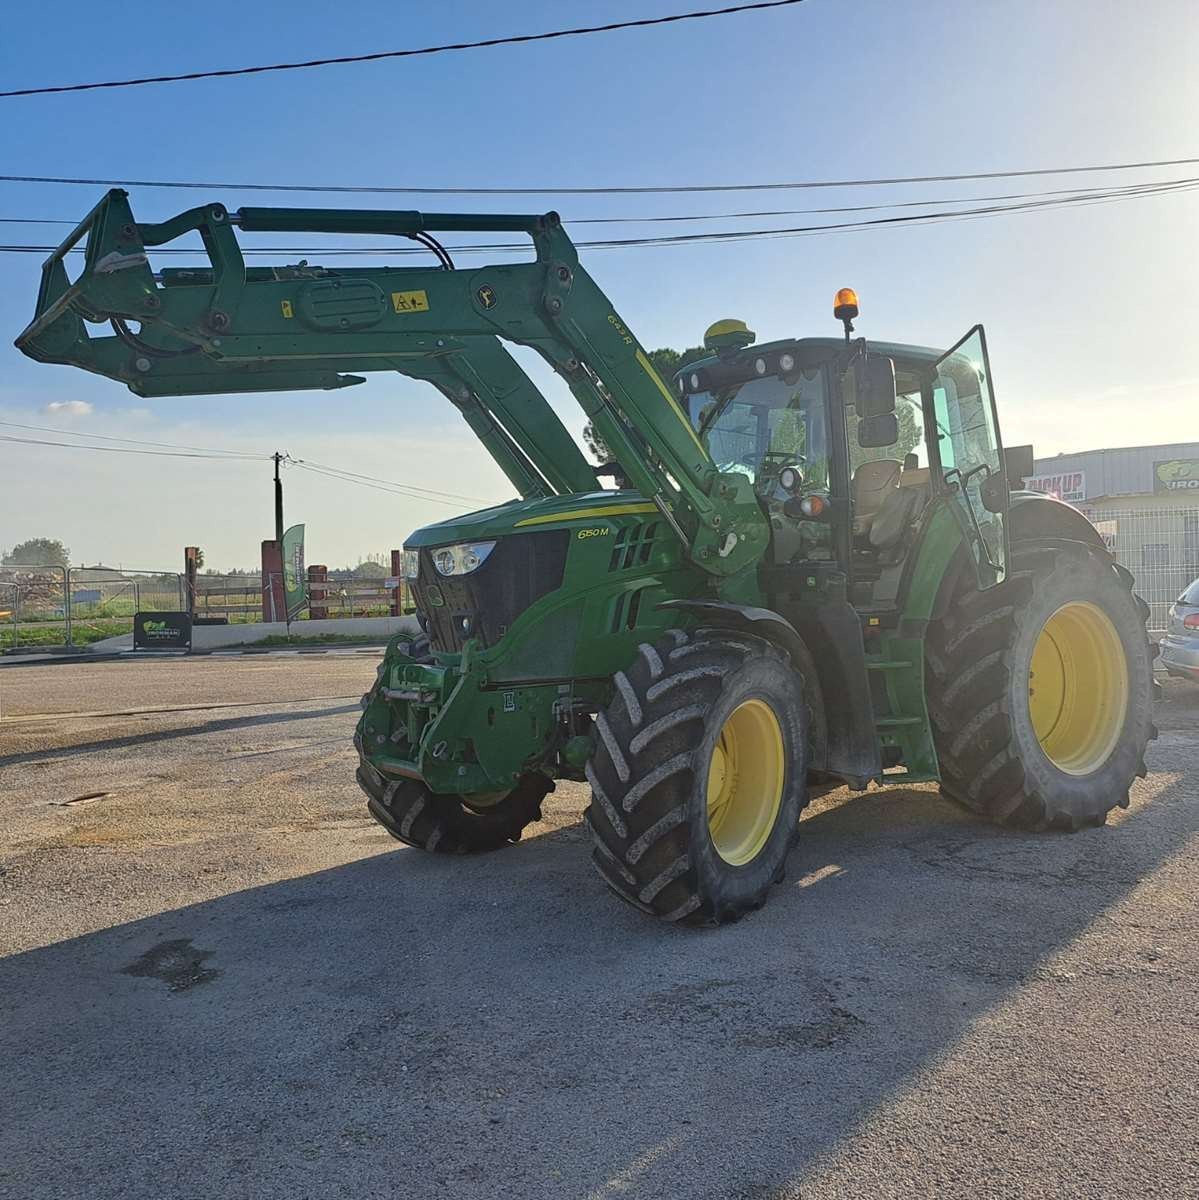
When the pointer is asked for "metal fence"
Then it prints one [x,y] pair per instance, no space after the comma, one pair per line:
[234,598]
[75,606]
[72,606]
[1160,546]
[344,594]
[36,606]
[252,596]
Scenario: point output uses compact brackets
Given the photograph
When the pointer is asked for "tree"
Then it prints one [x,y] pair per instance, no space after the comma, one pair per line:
[911,437]
[199,557]
[39,552]
[369,569]
[667,363]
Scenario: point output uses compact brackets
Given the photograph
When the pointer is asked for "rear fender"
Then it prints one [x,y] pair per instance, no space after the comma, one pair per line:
[1035,517]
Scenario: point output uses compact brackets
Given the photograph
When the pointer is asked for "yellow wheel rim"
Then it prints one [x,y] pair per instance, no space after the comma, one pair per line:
[1078,688]
[745,782]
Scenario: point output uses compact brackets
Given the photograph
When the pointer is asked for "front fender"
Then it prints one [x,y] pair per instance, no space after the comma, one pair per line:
[764,622]
[772,627]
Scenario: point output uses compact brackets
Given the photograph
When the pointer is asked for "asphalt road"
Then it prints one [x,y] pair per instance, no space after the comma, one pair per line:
[221,980]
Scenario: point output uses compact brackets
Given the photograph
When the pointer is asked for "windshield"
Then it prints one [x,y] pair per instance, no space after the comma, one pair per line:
[759,427]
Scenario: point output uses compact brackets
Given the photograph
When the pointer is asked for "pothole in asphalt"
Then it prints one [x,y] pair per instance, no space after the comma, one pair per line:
[177,963]
[86,798]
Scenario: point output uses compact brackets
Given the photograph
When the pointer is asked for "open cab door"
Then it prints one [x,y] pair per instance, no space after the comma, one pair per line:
[970,453]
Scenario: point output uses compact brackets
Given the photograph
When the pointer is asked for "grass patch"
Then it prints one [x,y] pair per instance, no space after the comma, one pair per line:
[83,633]
[341,639]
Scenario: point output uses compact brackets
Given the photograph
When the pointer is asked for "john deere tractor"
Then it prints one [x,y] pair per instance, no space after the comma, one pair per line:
[812,564]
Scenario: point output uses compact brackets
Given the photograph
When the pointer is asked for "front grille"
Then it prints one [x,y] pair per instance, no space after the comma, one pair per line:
[521,569]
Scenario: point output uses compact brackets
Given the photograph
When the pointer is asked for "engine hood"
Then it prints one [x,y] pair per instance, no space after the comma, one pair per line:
[527,516]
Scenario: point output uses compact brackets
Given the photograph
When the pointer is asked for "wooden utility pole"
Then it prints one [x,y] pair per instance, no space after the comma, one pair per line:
[278,500]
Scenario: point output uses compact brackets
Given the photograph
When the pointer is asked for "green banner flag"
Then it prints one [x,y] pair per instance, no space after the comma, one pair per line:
[295,577]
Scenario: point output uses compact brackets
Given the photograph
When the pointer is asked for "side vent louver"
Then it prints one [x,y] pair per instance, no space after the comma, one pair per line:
[625,610]
[633,546]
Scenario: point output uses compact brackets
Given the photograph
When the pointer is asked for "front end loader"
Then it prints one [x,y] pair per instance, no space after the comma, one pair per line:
[819,568]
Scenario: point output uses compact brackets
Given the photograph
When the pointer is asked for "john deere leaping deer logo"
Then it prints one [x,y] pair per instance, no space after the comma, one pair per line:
[486,296]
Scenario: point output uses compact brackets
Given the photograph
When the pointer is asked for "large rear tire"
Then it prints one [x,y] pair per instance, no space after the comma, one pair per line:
[1041,691]
[699,775]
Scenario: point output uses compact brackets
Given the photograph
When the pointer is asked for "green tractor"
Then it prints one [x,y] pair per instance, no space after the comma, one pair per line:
[816,566]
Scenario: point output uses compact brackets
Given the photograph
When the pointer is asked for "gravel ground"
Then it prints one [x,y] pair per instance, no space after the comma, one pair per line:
[221,979]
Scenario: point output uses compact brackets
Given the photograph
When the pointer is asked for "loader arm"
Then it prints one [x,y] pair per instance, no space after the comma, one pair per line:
[228,328]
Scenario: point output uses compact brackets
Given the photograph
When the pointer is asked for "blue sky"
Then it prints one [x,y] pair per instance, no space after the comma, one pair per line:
[1087,309]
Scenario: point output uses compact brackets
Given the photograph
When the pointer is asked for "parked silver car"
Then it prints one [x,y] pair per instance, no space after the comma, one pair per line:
[1180,646]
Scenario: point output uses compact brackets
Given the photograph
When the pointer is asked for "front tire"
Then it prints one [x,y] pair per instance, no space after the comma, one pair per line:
[447,824]
[1041,691]
[439,823]
[699,775]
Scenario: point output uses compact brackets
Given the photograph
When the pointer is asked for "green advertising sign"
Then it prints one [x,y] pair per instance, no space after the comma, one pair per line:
[1176,475]
[295,577]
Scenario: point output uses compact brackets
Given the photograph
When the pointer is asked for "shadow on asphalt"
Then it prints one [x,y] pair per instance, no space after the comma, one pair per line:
[75,749]
[411,1025]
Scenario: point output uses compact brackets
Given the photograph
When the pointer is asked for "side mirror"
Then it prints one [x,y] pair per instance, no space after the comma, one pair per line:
[873,385]
[1018,465]
[994,493]
[879,430]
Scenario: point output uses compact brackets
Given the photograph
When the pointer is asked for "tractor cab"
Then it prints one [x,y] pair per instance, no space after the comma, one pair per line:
[850,447]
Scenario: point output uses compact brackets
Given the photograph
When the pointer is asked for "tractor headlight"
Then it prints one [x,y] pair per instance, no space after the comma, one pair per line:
[411,564]
[461,559]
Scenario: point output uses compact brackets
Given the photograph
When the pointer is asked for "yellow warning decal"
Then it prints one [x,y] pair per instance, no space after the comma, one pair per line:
[648,367]
[285,305]
[406,302]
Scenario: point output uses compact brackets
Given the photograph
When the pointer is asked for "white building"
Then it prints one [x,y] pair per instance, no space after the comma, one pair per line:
[1144,500]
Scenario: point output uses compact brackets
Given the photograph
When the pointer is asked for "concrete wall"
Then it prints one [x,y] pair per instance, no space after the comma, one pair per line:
[214,637]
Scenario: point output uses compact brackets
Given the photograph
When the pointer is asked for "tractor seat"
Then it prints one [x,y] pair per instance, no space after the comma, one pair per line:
[901,506]
[873,482]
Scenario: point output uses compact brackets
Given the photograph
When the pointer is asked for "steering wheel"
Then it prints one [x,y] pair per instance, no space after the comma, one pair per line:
[783,458]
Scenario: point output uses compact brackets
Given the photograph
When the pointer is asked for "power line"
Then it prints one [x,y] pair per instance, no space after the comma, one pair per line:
[377,56]
[134,441]
[600,191]
[915,218]
[389,482]
[734,235]
[5,437]
[392,489]
[776,212]
[1131,188]
[410,491]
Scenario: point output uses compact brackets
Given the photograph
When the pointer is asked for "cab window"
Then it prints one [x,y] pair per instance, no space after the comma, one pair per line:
[759,427]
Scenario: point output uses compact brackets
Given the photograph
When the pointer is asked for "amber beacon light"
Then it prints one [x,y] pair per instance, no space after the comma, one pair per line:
[845,308]
[845,304]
